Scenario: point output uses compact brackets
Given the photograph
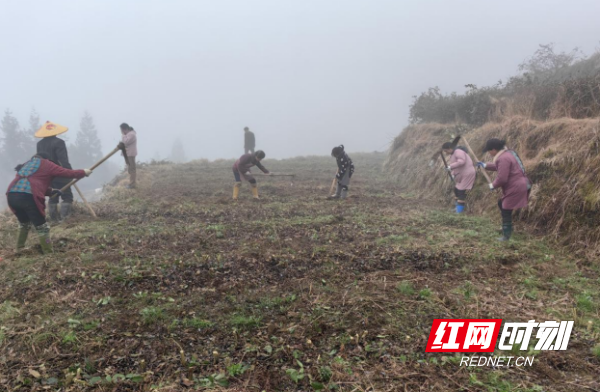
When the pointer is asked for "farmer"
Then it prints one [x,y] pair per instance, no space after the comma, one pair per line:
[249,141]
[129,140]
[26,196]
[463,171]
[511,178]
[241,169]
[344,173]
[56,150]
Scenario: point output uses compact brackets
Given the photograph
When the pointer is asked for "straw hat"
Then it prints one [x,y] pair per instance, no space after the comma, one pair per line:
[50,129]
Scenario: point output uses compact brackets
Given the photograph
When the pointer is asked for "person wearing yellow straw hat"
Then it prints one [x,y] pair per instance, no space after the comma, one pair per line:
[56,150]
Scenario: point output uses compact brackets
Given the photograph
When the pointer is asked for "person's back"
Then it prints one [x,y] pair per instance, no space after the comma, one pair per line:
[249,141]
[56,150]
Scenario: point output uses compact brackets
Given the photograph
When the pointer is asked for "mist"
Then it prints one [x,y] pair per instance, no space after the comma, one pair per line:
[304,75]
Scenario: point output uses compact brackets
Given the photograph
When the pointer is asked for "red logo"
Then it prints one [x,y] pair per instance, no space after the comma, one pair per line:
[50,126]
[463,335]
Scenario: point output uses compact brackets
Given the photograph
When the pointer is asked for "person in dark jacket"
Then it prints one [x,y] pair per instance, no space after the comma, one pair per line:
[241,169]
[26,196]
[511,178]
[56,150]
[249,141]
[344,173]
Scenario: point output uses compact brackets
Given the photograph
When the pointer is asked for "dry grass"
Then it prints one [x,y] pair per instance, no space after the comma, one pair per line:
[562,158]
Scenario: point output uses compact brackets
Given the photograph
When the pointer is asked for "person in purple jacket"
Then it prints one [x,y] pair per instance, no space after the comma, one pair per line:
[463,171]
[241,169]
[511,177]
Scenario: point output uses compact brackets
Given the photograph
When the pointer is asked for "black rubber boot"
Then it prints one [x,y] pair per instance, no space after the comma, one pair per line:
[506,232]
[53,212]
[344,192]
[338,192]
[65,210]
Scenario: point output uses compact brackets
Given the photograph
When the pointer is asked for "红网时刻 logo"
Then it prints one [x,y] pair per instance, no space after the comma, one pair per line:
[483,336]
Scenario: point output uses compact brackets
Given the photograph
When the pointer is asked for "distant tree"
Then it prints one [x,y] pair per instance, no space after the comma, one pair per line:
[545,61]
[34,123]
[88,147]
[16,145]
[178,152]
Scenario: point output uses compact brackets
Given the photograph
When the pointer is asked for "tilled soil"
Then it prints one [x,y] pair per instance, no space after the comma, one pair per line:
[176,287]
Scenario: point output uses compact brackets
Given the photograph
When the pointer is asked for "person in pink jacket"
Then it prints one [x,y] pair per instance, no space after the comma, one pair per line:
[463,171]
[511,177]
[129,140]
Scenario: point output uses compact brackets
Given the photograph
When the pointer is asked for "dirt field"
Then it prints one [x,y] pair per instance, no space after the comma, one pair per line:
[175,287]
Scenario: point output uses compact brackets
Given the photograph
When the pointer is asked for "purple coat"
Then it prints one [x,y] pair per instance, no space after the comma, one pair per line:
[511,179]
[462,170]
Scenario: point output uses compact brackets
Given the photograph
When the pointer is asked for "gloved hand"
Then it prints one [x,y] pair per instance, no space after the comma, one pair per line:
[121,145]
[87,172]
[491,187]
[481,164]
[55,192]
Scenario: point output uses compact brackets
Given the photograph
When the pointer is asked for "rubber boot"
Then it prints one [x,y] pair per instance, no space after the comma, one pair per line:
[506,232]
[22,235]
[460,208]
[255,191]
[236,190]
[44,235]
[338,192]
[53,212]
[65,210]
[344,193]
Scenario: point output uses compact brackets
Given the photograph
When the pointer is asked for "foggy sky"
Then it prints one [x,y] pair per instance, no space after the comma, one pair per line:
[305,75]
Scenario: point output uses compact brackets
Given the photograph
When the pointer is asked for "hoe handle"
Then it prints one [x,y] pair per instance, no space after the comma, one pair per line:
[489,180]
[100,162]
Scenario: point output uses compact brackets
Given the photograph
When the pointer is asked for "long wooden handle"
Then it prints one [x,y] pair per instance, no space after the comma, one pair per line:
[489,180]
[332,186]
[85,201]
[274,175]
[446,165]
[100,162]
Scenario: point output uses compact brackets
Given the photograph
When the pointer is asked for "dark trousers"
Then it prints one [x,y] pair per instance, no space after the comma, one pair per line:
[248,177]
[461,195]
[249,150]
[25,208]
[67,196]
[506,214]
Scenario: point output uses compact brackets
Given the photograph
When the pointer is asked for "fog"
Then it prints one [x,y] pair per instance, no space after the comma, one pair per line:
[303,75]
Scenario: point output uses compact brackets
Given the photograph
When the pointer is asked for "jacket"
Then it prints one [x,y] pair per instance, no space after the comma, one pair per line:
[36,181]
[56,149]
[511,178]
[344,164]
[130,141]
[249,140]
[462,169]
[247,161]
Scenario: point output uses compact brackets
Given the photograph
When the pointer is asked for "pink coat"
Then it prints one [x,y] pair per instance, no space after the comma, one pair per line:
[511,179]
[130,141]
[462,170]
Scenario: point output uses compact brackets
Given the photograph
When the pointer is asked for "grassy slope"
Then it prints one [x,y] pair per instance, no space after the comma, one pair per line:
[175,286]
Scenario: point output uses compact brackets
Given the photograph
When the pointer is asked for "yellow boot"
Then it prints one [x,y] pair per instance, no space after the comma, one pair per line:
[236,190]
[255,191]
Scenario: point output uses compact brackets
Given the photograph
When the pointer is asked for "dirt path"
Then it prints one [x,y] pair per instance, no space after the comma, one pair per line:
[176,287]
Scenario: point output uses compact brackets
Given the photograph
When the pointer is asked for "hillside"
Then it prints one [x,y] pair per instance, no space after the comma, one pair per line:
[175,287]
